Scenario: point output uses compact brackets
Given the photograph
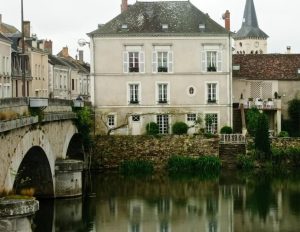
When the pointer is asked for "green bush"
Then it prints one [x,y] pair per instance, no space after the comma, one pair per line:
[245,162]
[180,128]
[136,167]
[294,155]
[252,118]
[188,165]
[226,130]
[261,140]
[283,134]
[152,128]
[279,155]
[294,115]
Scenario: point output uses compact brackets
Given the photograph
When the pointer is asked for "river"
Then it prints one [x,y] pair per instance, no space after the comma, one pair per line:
[233,201]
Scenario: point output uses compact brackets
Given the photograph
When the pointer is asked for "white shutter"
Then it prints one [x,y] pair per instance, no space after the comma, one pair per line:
[154,62]
[170,60]
[142,62]
[125,62]
[203,62]
[219,62]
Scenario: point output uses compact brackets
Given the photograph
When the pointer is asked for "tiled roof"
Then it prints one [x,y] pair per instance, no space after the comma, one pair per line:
[147,18]
[267,66]
[250,26]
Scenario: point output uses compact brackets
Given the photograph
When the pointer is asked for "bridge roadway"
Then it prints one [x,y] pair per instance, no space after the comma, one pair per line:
[38,155]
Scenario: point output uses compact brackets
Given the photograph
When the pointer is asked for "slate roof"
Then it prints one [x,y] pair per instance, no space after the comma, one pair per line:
[250,26]
[9,30]
[3,38]
[146,18]
[267,66]
[56,60]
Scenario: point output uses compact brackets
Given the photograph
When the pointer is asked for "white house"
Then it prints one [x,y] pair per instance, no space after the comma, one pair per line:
[5,67]
[160,62]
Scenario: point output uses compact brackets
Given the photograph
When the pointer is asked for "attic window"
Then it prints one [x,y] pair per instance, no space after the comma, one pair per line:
[124,26]
[236,67]
[164,26]
[201,27]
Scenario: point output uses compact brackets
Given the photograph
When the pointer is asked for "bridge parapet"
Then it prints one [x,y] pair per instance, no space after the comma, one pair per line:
[17,123]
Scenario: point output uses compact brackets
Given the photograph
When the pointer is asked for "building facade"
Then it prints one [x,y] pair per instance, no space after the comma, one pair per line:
[5,67]
[160,62]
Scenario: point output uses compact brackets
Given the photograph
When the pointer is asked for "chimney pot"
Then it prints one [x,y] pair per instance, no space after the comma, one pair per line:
[80,53]
[124,5]
[226,17]
[26,25]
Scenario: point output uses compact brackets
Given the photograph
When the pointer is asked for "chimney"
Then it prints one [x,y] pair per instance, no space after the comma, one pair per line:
[288,50]
[48,46]
[26,29]
[124,5]
[65,52]
[226,17]
[80,53]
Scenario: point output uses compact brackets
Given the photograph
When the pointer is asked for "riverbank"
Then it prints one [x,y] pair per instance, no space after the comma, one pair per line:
[110,151]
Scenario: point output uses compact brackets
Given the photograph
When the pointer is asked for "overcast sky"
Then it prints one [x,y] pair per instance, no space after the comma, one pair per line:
[66,21]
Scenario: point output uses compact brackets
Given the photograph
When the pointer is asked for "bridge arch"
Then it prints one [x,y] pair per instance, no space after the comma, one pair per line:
[33,141]
[34,174]
[71,133]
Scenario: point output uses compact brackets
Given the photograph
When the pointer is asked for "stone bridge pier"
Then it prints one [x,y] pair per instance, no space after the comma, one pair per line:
[45,159]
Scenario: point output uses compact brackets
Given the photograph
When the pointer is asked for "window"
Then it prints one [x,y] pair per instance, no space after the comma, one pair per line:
[162,61]
[164,226]
[191,91]
[111,120]
[133,62]
[212,93]
[135,227]
[136,118]
[3,65]
[73,84]
[163,93]
[211,123]
[191,117]
[212,60]
[163,123]
[133,93]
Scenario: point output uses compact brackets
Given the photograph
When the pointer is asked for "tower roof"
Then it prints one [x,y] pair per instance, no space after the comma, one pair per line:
[250,27]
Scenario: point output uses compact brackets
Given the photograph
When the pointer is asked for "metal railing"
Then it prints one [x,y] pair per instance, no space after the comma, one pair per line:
[232,139]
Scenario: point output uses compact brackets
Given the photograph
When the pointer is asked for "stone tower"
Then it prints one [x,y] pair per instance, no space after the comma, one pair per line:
[250,39]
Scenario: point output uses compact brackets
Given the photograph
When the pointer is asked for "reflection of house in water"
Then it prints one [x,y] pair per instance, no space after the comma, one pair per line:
[229,208]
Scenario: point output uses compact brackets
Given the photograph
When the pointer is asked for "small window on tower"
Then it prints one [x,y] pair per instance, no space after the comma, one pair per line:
[241,44]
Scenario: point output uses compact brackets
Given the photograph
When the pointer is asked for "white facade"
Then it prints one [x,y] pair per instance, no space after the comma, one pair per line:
[251,46]
[139,80]
[5,69]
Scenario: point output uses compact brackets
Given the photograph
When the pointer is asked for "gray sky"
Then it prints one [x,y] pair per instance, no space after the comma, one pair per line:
[66,21]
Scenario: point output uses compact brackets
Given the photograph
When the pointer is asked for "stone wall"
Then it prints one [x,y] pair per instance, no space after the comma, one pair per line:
[285,142]
[110,151]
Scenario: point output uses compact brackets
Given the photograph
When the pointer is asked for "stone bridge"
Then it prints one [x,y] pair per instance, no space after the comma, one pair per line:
[38,153]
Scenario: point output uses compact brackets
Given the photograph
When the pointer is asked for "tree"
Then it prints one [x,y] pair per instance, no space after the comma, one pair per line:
[294,115]
[180,128]
[252,118]
[262,141]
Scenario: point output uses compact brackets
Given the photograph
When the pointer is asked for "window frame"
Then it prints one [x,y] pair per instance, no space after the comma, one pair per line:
[212,130]
[114,117]
[164,100]
[207,92]
[162,128]
[169,67]
[219,58]
[140,59]
[139,95]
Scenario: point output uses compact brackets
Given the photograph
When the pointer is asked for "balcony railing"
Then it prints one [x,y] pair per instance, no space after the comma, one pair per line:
[232,139]
[267,104]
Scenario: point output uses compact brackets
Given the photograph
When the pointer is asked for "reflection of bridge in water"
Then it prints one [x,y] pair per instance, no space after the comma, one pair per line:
[36,150]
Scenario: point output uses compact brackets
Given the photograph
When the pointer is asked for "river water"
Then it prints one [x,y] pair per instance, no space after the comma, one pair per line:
[233,201]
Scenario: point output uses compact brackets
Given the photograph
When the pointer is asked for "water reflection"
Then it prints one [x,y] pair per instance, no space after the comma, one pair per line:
[233,202]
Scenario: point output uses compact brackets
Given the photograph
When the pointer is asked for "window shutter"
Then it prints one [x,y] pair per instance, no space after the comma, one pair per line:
[203,63]
[142,62]
[170,60]
[219,61]
[125,62]
[154,62]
